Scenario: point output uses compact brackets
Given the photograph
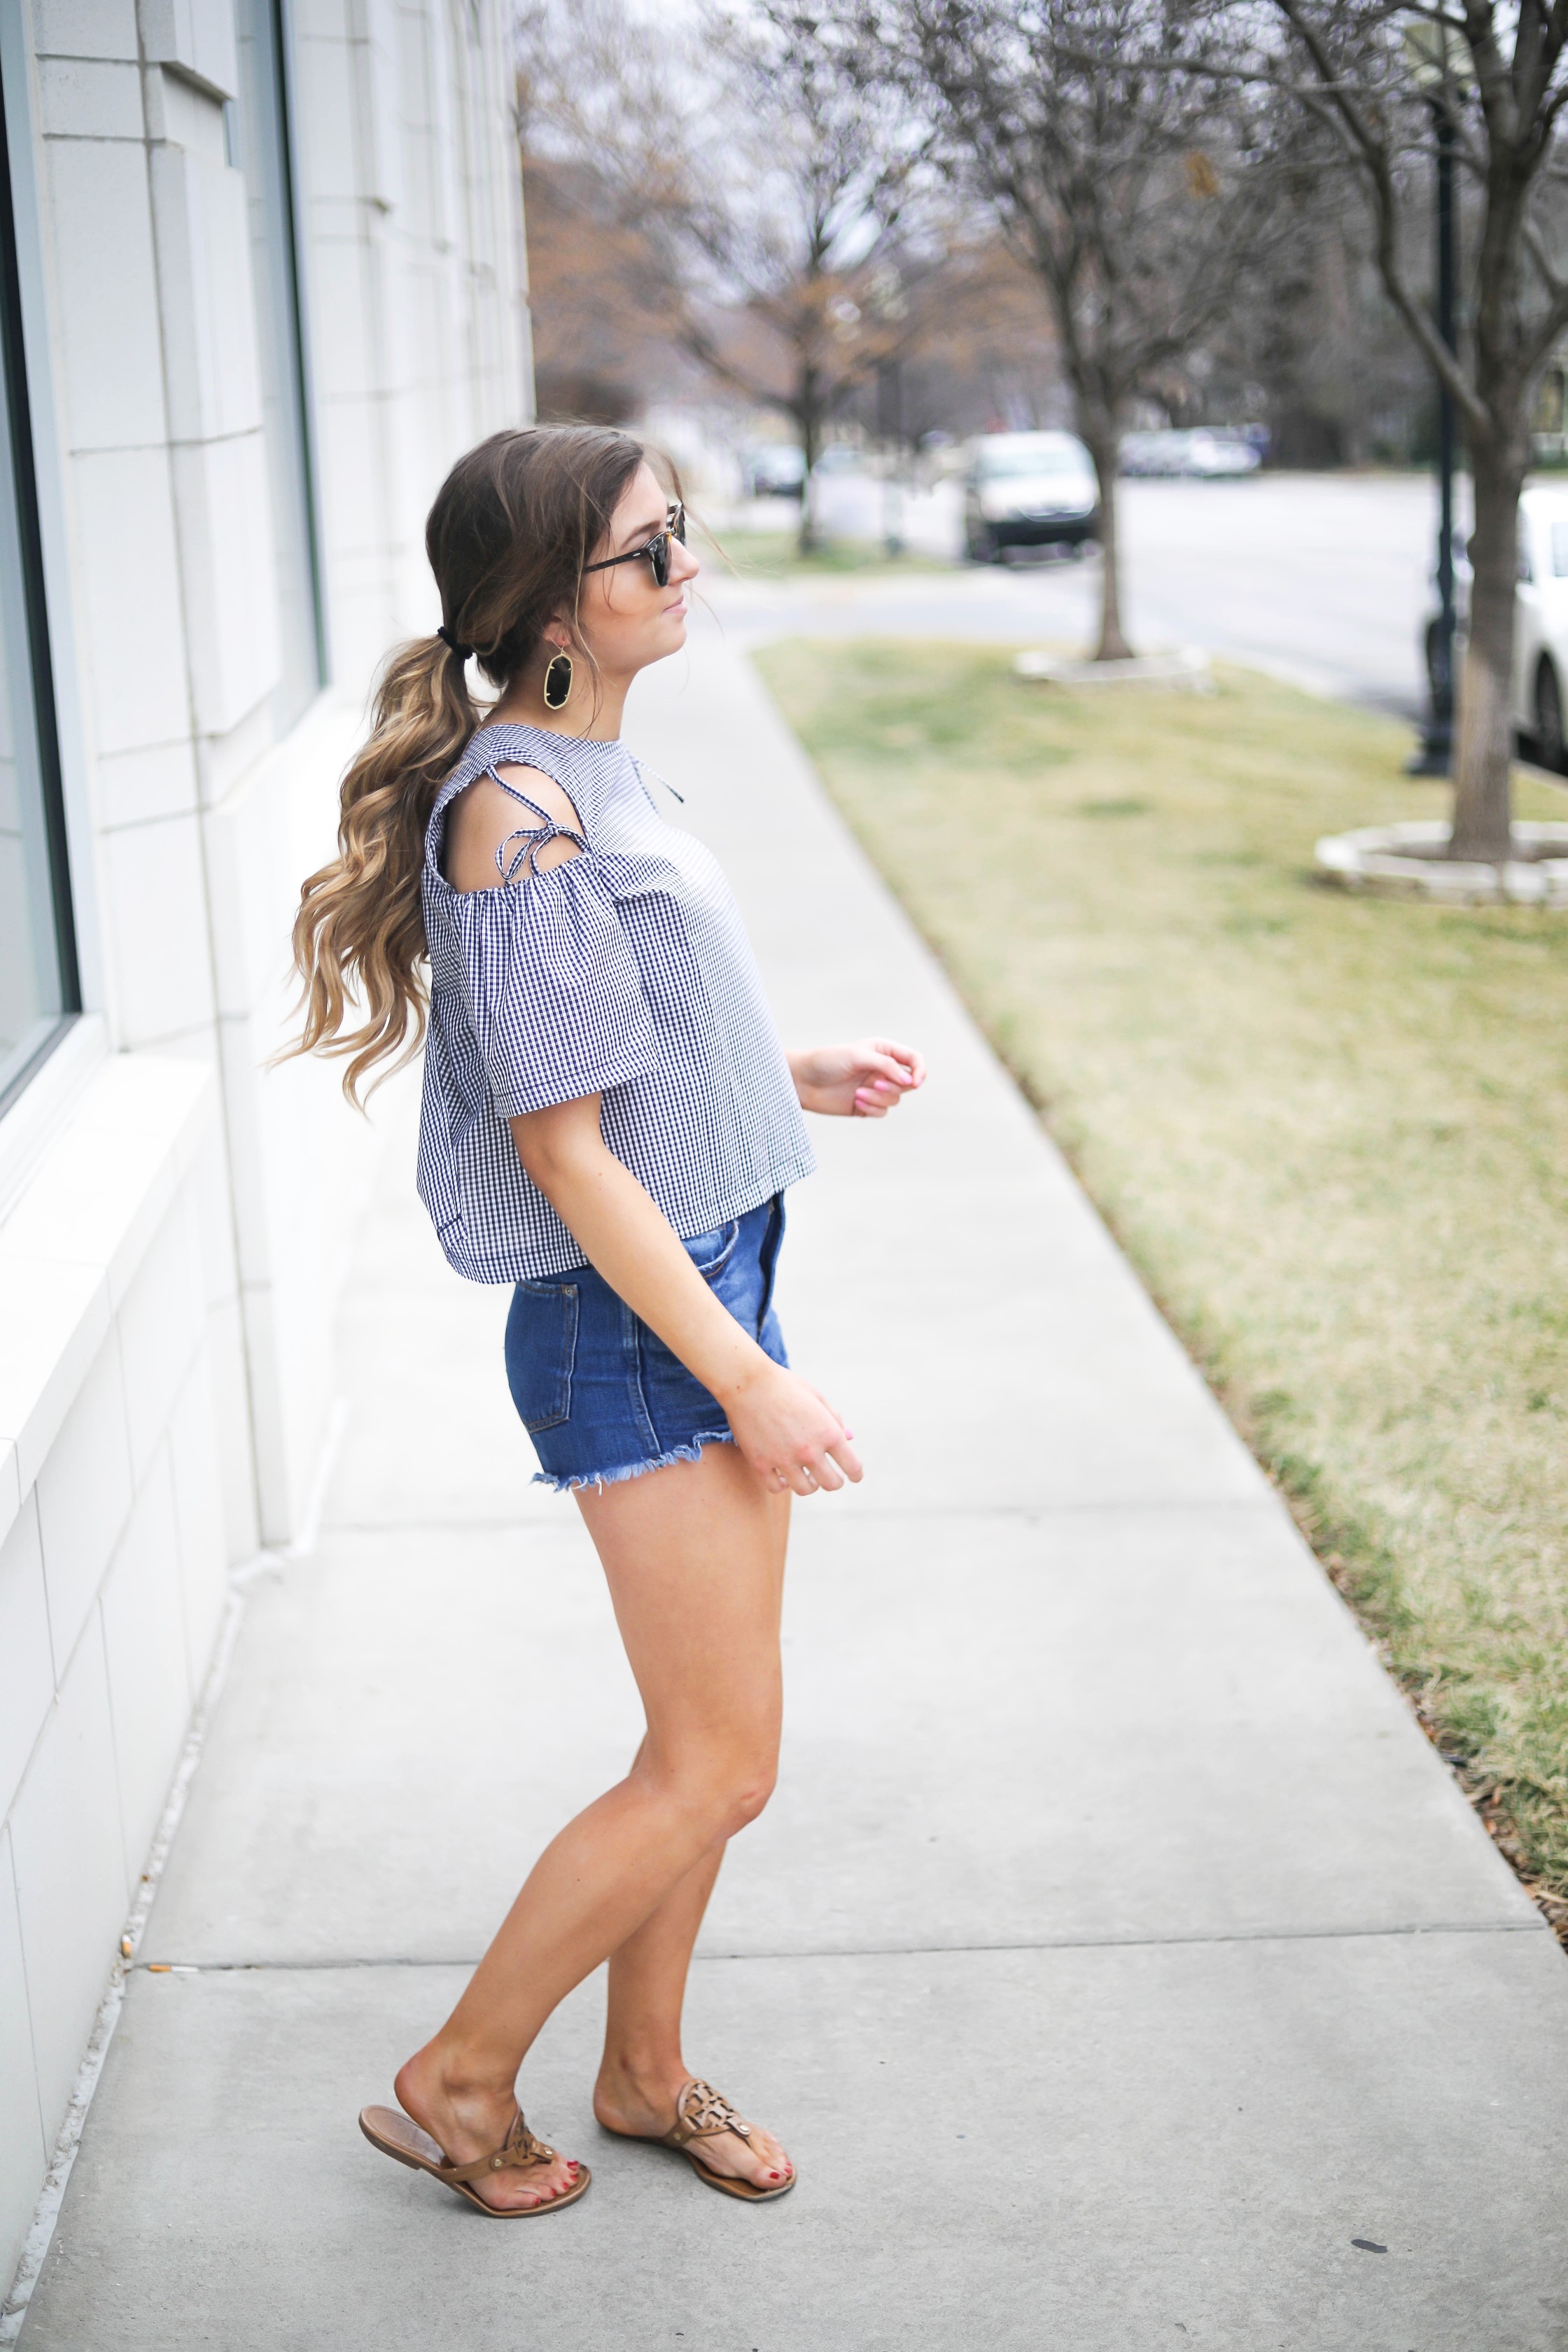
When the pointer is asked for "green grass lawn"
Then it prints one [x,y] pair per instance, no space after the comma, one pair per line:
[1332,1132]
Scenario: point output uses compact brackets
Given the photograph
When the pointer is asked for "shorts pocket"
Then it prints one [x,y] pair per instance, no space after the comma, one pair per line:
[541,1352]
[711,1252]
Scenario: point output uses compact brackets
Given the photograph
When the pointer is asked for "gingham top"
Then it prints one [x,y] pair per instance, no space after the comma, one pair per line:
[624,972]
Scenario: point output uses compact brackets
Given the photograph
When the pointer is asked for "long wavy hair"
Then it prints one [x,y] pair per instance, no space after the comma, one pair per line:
[511,528]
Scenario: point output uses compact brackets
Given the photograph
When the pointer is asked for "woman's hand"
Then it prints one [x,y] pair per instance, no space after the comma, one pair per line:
[790,1435]
[863,1080]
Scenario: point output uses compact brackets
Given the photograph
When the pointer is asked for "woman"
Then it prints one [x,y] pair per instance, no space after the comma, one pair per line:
[609,1124]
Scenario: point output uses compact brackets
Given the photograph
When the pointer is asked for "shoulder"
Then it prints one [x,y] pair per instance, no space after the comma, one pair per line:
[484,817]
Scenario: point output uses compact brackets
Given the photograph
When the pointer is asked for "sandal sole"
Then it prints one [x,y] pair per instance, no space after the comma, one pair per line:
[709,2178]
[461,2188]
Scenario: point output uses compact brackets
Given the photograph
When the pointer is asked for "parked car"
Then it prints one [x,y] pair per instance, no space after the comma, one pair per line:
[774,469]
[1204,454]
[1540,712]
[1029,490]
[1147,453]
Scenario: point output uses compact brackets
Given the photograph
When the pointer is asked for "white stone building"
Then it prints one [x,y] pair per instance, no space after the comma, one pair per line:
[260,280]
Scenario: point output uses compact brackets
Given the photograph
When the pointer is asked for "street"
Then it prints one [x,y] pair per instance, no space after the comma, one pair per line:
[1319,579]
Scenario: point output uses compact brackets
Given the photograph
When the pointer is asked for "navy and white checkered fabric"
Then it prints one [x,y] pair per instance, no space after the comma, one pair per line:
[626,973]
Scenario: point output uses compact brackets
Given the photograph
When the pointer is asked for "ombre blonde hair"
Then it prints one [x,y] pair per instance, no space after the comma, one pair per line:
[511,528]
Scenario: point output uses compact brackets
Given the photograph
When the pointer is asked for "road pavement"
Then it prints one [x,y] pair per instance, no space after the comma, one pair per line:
[1120,1963]
[1320,579]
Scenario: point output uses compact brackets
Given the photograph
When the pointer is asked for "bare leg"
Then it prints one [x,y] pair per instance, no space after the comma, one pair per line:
[643,2068]
[647,1983]
[693,1555]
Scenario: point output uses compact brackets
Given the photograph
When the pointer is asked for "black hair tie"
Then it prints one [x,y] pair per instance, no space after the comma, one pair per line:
[462,651]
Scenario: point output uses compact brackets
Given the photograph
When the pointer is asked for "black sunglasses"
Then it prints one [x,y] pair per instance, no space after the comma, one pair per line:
[655,550]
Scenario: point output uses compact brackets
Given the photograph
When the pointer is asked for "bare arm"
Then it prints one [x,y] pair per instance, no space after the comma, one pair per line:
[780,1422]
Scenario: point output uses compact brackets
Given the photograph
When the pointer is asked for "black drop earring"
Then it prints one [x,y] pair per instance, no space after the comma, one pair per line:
[558,682]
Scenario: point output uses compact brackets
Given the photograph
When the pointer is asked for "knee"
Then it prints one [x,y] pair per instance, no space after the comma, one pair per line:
[748,1793]
[725,1792]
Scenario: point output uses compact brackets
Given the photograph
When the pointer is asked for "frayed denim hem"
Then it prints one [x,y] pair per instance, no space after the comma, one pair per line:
[692,1453]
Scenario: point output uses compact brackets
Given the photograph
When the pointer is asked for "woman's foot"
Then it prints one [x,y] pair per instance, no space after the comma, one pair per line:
[641,2105]
[466,2122]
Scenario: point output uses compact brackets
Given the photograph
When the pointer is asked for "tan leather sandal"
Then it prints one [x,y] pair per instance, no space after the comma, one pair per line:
[702,2114]
[399,2137]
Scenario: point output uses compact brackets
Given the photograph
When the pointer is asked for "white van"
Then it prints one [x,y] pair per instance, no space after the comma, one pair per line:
[1028,489]
[1540,625]
[1540,691]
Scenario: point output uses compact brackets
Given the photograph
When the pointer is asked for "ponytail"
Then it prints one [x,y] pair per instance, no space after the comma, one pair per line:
[511,528]
[359,931]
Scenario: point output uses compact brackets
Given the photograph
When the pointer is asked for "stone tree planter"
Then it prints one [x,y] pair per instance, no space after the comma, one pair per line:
[1408,861]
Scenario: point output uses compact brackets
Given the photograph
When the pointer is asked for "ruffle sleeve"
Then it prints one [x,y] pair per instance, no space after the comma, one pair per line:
[554,989]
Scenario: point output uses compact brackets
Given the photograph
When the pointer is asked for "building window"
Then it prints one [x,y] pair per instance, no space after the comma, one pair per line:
[259,129]
[39,990]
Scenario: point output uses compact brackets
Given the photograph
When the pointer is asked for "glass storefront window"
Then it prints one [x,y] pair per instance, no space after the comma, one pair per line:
[38,987]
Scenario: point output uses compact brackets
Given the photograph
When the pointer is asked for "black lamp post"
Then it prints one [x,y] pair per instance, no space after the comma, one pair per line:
[1438,734]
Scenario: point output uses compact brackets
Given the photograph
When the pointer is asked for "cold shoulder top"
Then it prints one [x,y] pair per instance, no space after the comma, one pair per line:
[624,972]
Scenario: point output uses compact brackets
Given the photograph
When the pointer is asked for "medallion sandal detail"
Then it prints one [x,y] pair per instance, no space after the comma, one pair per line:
[400,2137]
[702,2114]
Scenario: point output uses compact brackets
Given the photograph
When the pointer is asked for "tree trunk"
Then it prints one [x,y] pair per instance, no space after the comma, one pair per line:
[1482,805]
[1104,447]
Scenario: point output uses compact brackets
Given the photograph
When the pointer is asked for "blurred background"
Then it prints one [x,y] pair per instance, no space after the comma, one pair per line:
[754,241]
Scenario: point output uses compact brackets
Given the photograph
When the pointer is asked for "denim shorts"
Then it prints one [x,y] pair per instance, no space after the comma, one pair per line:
[600,1394]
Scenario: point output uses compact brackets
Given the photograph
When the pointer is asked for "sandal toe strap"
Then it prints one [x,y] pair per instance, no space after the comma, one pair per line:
[702,2114]
[519,2152]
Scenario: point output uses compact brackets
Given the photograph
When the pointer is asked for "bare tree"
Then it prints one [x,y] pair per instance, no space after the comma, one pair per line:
[772,194]
[1388,79]
[802,226]
[1137,194]
[1321,354]
[978,349]
[602,346]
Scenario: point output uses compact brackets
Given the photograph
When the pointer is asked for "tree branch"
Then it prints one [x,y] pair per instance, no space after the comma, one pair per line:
[1371,155]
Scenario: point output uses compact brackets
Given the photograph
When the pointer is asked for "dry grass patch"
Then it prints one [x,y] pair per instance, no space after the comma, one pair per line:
[775,555]
[1333,1133]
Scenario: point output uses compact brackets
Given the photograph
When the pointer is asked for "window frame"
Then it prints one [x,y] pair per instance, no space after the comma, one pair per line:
[45,712]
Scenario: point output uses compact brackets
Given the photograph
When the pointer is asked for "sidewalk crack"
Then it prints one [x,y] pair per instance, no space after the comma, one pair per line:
[1198,1938]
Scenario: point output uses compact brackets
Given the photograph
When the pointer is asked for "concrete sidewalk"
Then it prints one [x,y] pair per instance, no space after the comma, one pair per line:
[1120,1963]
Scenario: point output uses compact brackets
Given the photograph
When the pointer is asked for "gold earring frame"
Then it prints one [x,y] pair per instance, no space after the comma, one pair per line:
[558,680]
